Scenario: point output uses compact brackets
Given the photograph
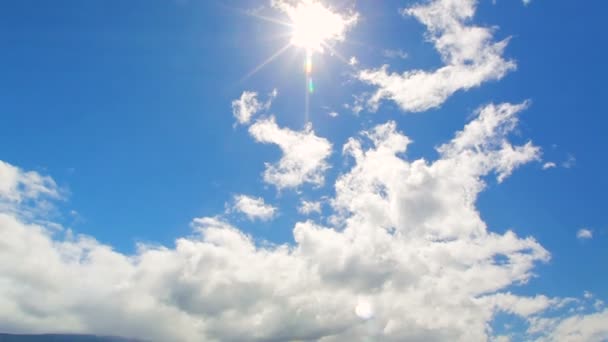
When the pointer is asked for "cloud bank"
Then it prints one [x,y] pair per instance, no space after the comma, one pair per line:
[408,258]
[404,256]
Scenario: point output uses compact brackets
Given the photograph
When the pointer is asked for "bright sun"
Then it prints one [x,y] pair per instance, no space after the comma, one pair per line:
[314,25]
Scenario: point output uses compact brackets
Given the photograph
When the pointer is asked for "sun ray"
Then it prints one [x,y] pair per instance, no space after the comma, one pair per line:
[336,53]
[264,63]
[313,27]
[270,19]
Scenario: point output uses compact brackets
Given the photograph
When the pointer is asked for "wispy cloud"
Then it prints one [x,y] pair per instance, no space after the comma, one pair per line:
[470,55]
[388,53]
[248,105]
[309,207]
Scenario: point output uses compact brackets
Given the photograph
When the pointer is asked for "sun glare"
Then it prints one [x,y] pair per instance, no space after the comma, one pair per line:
[314,25]
[314,28]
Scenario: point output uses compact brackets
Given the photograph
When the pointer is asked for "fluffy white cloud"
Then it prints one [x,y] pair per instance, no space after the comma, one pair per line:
[304,157]
[248,105]
[470,55]
[584,234]
[254,207]
[309,207]
[409,258]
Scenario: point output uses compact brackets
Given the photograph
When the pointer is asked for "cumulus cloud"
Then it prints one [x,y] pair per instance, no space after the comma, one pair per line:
[248,105]
[470,55]
[309,207]
[584,234]
[254,207]
[304,157]
[408,257]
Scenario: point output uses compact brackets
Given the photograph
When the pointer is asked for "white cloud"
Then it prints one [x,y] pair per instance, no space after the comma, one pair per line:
[526,2]
[26,193]
[304,157]
[248,105]
[333,114]
[309,207]
[589,328]
[549,165]
[353,61]
[17,185]
[470,55]
[409,258]
[584,234]
[254,207]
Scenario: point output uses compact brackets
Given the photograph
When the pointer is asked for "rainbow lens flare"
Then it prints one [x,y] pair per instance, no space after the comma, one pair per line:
[308,68]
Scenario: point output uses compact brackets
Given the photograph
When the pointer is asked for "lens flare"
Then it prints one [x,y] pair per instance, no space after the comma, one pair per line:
[308,68]
[308,64]
[315,25]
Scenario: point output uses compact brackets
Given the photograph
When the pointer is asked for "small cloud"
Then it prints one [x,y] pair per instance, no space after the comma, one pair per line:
[309,207]
[526,2]
[248,105]
[333,114]
[587,295]
[304,158]
[598,304]
[254,207]
[584,233]
[570,162]
[353,61]
[549,165]
[388,53]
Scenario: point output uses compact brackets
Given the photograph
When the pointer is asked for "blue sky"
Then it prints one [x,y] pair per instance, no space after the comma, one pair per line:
[128,106]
